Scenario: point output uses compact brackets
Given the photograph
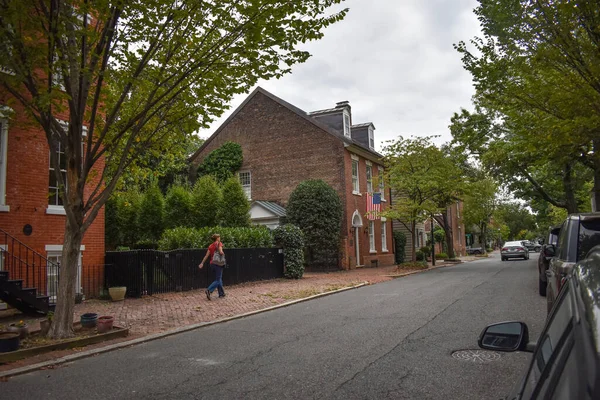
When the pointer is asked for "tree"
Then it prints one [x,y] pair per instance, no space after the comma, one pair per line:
[206,202]
[480,203]
[121,219]
[516,217]
[178,207]
[150,218]
[316,208]
[222,162]
[536,71]
[137,73]
[235,207]
[426,179]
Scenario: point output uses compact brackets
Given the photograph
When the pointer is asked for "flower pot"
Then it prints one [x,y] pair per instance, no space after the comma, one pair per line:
[44,327]
[23,331]
[89,320]
[105,323]
[9,341]
[78,298]
[117,293]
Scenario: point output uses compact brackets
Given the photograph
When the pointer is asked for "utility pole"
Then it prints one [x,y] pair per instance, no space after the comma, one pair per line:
[432,243]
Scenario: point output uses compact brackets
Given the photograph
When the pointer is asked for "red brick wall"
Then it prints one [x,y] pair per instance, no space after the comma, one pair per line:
[27,194]
[282,149]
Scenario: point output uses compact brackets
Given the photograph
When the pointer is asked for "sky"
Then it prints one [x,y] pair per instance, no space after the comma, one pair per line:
[393,60]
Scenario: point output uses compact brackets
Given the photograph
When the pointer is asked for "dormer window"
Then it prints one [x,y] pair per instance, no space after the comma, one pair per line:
[347,123]
[371,138]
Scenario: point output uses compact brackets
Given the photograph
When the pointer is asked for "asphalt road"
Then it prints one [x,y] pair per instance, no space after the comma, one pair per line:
[391,340]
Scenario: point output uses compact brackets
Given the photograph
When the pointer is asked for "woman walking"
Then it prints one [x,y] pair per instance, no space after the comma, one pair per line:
[215,247]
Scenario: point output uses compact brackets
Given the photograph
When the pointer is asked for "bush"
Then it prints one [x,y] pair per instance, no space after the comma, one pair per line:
[191,238]
[316,209]
[206,202]
[426,250]
[420,255]
[400,246]
[222,162]
[235,207]
[122,210]
[178,207]
[290,237]
[150,219]
[441,256]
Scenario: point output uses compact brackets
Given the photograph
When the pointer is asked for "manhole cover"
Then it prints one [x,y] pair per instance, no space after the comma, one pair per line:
[476,356]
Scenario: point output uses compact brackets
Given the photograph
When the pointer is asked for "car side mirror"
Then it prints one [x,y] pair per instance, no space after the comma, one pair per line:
[505,336]
[550,250]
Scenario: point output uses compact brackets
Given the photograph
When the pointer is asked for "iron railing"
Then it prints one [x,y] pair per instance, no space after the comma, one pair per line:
[147,272]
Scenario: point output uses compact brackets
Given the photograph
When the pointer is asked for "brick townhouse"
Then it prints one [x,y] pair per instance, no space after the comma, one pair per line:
[31,210]
[283,146]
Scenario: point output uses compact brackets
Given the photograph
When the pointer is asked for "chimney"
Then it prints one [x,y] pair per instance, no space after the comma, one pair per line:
[342,104]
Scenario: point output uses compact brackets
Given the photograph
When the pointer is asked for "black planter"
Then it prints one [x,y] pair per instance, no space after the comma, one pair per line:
[9,341]
[89,320]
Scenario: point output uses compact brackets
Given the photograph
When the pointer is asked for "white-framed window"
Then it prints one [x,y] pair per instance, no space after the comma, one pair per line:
[246,181]
[355,182]
[383,235]
[371,138]
[54,256]
[381,184]
[369,178]
[3,162]
[372,237]
[347,123]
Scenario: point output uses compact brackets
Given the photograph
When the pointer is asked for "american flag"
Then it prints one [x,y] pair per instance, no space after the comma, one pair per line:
[373,205]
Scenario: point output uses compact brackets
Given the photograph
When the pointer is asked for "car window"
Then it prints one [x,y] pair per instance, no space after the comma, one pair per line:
[589,236]
[549,343]
[552,239]
[561,246]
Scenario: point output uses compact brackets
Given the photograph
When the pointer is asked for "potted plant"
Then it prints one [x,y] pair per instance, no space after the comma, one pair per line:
[9,341]
[89,320]
[117,293]
[105,323]
[45,323]
[21,327]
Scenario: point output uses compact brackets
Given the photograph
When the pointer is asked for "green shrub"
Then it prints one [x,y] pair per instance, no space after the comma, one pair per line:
[290,237]
[192,238]
[178,207]
[420,255]
[426,250]
[400,246]
[316,209]
[206,202]
[223,162]
[235,207]
[441,256]
[150,218]
[121,219]
[145,244]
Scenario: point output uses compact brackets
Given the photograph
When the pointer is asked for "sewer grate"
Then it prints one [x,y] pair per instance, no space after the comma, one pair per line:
[476,356]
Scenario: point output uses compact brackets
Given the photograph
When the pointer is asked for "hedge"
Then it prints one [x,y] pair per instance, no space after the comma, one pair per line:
[191,238]
[400,246]
[290,237]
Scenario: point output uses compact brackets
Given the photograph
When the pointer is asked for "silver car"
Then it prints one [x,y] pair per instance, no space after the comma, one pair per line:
[514,250]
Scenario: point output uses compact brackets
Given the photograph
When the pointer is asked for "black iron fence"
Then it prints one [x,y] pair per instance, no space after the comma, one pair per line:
[147,272]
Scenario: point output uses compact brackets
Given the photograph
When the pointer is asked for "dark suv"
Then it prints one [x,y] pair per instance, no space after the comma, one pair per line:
[566,361]
[545,256]
[578,234]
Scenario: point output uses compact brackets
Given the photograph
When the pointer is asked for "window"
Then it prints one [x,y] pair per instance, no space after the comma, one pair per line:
[372,237]
[589,236]
[3,164]
[54,256]
[245,180]
[371,138]
[347,124]
[383,235]
[369,178]
[54,197]
[355,187]
[381,184]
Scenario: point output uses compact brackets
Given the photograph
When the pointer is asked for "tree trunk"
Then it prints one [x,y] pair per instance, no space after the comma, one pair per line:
[62,324]
[449,235]
[413,235]
[571,202]
[596,188]
[483,228]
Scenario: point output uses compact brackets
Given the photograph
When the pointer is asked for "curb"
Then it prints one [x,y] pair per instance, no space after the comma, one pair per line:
[155,336]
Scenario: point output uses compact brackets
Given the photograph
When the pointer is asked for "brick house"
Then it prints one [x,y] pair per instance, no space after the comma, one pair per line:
[31,212]
[283,146]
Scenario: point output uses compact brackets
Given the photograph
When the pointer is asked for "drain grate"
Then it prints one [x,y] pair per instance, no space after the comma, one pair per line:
[476,356]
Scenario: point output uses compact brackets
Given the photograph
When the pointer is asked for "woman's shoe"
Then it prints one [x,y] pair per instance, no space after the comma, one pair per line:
[207,294]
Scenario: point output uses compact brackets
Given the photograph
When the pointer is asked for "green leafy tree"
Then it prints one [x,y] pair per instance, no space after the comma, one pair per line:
[150,218]
[206,202]
[291,238]
[223,162]
[137,73]
[178,207]
[480,203]
[400,246]
[315,207]
[121,219]
[235,207]
[426,179]
[516,217]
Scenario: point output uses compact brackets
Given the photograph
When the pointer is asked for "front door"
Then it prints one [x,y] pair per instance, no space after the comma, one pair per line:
[357,224]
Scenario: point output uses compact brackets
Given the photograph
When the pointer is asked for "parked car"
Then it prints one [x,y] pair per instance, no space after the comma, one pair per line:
[578,234]
[514,250]
[532,246]
[475,250]
[566,361]
[545,256]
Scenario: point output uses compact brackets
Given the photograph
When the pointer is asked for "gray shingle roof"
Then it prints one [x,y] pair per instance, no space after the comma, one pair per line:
[273,207]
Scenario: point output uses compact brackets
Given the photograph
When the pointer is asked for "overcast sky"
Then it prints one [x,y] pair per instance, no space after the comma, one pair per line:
[393,61]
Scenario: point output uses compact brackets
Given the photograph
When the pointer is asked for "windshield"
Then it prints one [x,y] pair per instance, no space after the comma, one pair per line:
[589,236]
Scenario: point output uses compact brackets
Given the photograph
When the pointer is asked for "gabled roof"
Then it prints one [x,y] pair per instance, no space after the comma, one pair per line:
[348,142]
[275,208]
[363,125]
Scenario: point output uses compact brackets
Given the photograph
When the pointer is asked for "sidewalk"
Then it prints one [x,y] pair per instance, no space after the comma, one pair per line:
[164,312]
